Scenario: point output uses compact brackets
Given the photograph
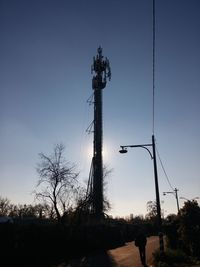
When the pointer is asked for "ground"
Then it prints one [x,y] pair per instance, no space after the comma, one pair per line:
[126,256]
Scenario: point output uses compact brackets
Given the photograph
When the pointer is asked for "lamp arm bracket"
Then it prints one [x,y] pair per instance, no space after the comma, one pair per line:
[148,151]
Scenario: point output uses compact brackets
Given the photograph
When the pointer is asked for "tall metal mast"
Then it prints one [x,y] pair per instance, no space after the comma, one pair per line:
[101,70]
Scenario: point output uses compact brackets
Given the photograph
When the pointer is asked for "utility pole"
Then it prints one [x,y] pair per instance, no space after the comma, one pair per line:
[153,157]
[102,72]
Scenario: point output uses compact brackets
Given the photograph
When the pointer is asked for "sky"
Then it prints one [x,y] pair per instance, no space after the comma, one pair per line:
[46,52]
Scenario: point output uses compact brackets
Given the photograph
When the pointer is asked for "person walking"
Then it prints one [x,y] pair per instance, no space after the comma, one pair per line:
[140,242]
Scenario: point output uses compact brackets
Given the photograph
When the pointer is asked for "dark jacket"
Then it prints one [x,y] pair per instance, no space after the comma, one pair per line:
[140,240]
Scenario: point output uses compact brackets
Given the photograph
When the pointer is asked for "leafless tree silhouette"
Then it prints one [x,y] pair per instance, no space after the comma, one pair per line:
[58,181]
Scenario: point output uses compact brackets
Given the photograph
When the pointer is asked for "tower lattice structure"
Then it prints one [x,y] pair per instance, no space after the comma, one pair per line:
[102,73]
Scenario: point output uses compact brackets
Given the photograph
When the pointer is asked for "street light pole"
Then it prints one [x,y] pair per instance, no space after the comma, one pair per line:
[153,156]
[176,196]
[157,196]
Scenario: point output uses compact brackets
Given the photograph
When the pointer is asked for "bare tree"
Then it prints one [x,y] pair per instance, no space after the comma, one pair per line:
[106,174]
[151,209]
[4,206]
[58,181]
[84,198]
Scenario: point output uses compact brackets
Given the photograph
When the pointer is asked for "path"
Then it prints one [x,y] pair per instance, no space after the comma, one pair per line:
[126,256]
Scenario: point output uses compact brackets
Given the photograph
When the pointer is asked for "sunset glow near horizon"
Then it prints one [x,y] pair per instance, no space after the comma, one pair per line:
[46,51]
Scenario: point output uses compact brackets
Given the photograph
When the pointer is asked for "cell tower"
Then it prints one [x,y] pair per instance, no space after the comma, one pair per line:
[102,72]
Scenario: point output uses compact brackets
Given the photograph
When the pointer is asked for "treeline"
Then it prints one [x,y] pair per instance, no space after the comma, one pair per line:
[35,237]
[183,230]
[182,238]
[35,242]
[8,209]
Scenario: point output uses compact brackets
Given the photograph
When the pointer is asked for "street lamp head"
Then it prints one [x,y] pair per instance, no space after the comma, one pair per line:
[123,150]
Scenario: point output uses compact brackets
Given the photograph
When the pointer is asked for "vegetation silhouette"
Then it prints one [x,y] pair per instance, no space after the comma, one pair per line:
[39,241]
[58,182]
[182,237]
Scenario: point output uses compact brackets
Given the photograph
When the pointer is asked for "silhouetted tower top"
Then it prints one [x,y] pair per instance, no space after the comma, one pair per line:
[101,70]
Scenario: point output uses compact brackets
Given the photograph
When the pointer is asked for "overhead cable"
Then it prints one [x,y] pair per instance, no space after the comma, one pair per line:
[164,170]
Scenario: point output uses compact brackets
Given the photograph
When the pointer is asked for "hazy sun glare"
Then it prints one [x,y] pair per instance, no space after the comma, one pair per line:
[105,152]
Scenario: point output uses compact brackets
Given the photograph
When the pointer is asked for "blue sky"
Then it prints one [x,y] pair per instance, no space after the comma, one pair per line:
[46,51]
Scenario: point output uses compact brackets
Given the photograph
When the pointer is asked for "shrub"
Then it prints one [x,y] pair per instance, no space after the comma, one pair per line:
[170,258]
